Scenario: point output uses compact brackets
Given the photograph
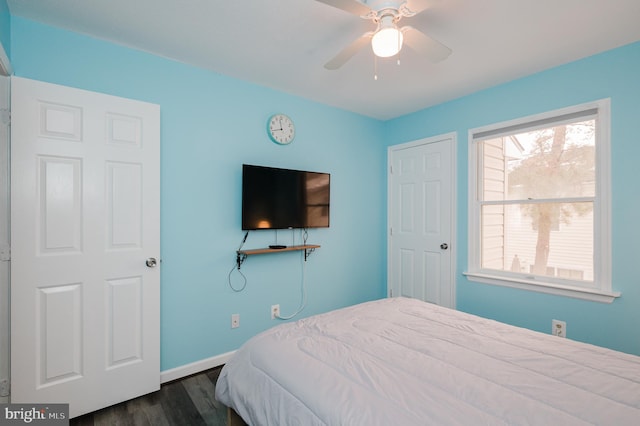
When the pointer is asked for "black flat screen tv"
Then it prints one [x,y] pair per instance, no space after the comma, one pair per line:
[275,198]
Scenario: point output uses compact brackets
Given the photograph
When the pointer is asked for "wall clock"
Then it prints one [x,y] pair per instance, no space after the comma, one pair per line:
[281,129]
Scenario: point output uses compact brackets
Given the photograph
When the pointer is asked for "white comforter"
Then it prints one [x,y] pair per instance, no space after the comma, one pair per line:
[405,362]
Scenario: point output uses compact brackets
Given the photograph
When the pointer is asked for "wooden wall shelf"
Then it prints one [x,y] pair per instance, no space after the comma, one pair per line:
[241,255]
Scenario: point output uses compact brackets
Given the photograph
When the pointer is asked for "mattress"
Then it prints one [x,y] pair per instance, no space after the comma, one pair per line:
[402,361]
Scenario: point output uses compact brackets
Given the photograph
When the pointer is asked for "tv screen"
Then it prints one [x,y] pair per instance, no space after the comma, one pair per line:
[275,198]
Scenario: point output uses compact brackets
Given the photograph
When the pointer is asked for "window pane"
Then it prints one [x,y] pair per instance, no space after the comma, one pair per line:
[555,162]
[549,239]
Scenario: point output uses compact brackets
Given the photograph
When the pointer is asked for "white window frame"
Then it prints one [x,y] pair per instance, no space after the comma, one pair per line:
[603,291]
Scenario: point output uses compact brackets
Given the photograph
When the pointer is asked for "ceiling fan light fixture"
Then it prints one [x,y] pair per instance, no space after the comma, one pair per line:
[387,41]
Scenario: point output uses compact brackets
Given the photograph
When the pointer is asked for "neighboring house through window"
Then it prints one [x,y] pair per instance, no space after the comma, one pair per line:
[539,203]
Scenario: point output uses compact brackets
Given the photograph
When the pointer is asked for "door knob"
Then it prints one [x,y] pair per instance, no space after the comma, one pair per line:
[151,262]
[444,246]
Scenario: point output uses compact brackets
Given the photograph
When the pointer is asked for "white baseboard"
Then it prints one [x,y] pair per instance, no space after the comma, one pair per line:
[194,367]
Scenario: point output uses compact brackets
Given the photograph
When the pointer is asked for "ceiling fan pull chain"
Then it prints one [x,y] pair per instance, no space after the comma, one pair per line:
[375,67]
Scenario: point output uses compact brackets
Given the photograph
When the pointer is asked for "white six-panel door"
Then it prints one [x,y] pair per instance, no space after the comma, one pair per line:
[420,220]
[84,219]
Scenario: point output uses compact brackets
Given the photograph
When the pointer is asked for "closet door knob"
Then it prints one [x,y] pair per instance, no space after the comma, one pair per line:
[444,246]
[151,262]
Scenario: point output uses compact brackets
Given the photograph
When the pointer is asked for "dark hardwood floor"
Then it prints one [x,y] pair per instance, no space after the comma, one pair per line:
[185,402]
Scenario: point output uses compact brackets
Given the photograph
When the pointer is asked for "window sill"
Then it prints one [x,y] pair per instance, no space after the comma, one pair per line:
[549,288]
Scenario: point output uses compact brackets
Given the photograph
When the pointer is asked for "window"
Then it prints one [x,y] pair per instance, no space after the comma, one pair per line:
[539,203]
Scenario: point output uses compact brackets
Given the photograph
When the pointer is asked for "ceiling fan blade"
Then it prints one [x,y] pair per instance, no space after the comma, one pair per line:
[426,46]
[418,6]
[351,6]
[347,53]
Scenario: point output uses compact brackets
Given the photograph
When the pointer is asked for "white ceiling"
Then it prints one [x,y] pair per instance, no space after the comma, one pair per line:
[283,44]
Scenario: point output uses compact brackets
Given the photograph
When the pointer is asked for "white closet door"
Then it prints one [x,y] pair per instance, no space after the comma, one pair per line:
[421,220]
[85,217]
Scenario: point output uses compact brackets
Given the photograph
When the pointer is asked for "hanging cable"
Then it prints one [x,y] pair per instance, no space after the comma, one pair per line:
[237,266]
[303,292]
[244,240]
[237,290]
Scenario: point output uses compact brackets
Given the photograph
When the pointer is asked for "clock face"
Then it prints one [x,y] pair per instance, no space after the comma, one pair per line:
[281,129]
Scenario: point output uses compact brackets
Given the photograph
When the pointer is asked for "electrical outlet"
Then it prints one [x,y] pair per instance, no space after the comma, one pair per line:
[275,311]
[559,328]
[235,320]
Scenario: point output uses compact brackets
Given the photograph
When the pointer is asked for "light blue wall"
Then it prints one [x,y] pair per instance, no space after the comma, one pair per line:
[614,74]
[5,27]
[211,125]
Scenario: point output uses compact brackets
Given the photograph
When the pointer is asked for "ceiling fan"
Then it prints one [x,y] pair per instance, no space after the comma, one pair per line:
[387,39]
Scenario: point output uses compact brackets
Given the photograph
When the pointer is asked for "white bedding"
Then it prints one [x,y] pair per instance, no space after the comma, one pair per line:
[405,362]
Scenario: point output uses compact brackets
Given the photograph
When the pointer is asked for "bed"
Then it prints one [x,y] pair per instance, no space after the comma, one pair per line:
[401,361]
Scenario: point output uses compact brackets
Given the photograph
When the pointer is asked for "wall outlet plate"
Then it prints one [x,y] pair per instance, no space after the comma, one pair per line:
[235,320]
[275,311]
[559,328]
